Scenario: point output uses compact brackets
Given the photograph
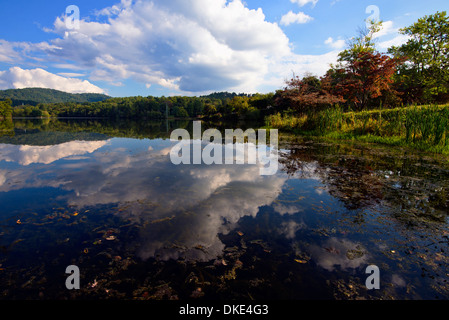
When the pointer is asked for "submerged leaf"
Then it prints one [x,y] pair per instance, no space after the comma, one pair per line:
[300,261]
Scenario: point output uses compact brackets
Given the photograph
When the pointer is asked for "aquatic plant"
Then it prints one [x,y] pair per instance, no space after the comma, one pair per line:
[423,127]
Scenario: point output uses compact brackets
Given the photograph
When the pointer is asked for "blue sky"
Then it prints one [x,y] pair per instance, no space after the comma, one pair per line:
[180,47]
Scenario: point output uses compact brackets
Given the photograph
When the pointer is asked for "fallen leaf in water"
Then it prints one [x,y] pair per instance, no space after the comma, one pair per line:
[15,242]
[332,250]
[200,247]
[162,220]
[197,293]
[300,261]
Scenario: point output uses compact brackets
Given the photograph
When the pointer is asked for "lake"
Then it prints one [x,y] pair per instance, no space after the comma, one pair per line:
[105,197]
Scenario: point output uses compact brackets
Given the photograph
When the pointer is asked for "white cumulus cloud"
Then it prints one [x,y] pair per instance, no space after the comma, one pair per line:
[335,44]
[302,3]
[18,78]
[192,47]
[396,41]
[386,29]
[292,17]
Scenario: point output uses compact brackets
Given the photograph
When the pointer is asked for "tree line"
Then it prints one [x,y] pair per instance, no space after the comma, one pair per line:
[214,106]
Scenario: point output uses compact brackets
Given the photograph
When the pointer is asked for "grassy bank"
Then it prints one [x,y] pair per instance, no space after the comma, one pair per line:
[421,127]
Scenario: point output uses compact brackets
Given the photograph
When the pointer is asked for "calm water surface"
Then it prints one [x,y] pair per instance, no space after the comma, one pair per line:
[106,198]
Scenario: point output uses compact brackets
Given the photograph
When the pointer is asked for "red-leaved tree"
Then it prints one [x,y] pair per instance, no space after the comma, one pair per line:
[369,75]
[306,94]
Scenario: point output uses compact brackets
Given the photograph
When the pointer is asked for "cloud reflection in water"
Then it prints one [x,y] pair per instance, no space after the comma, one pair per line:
[181,207]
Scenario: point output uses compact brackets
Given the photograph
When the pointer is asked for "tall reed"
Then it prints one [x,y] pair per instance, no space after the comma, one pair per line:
[427,124]
[415,125]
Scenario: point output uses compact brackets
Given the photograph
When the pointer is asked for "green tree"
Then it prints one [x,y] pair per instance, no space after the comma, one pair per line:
[180,112]
[5,109]
[426,74]
[363,43]
[210,110]
[239,105]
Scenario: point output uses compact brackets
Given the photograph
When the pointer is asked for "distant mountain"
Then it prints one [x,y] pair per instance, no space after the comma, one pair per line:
[34,96]
[224,95]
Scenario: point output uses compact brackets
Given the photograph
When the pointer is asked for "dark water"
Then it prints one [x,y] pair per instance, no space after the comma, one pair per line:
[106,198]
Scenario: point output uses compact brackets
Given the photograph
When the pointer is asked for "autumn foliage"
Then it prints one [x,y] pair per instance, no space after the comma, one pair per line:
[415,72]
[306,94]
[367,77]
